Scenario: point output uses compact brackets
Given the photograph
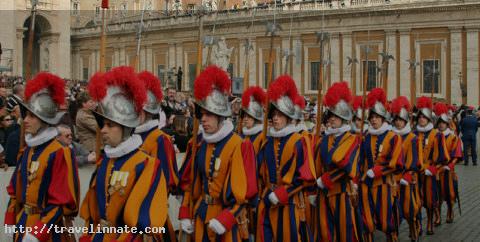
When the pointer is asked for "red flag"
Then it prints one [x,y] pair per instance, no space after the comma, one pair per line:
[104,3]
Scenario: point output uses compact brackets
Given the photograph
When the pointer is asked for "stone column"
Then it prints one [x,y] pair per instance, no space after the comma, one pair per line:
[297,61]
[149,59]
[18,53]
[456,64]
[347,52]
[334,57]
[391,49]
[404,65]
[472,66]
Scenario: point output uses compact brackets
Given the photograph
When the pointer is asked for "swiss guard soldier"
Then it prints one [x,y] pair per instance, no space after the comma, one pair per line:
[213,201]
[155,142]
[44,188]
[447,178]
[128,187]
[252,114]
[285,168]
[336,164]
[434,153]
[410,203]
[383,153]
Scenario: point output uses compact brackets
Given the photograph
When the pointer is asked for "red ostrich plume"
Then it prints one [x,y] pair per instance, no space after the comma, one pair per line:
[152,83]
[440,108]
[337,92]
[357,103]
[54,84]
[399,103]
[123,77]
[299,101]
[452,108]
[282,86]
[257,93]
[376,95]
[211,78]
[424,102]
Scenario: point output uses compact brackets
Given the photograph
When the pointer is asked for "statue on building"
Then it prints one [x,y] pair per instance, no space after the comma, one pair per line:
[253,3]
[221,54]
[177,5]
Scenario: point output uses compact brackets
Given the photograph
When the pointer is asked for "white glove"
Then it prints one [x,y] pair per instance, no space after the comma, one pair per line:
[320,183]
[370,173]
[313,200]
[91,157]
[216,226]
[446,168]
[186,225]
[30,238]
[428,172]
[273,198]
[404,182]
[355,186]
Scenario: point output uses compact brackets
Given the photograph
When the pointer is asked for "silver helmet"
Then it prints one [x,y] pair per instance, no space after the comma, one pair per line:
[152,105]
[403,114]
[441,113]
[154,92]
[211,91]
[285,105]
[282,94]
[342,110]
[254,109]
[424,106]
[123,98]
[377,100]
[117,106]
[42,105]
[44,94]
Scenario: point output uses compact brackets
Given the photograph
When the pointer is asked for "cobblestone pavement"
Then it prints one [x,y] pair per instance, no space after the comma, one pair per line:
[465,228]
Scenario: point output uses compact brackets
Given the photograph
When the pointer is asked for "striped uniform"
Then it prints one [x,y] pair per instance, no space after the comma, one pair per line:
[285,167]
[383,154]
[448,181]
[337,162]
[215,187]
[410,202]
[159,145]
[130,190]
[44,190]
[434,153]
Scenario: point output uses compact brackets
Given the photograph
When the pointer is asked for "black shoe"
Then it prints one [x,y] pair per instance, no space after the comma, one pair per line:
[474,164]
[465,164]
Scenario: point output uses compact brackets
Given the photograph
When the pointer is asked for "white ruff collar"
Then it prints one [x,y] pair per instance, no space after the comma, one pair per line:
[227,127]
[357,130]
[338,131]
[124,148]
[447,132]
[42,137]
[283,132]
[407,129]
[257,128]
[425,129]
[385,127]
[150,124]
[301,127]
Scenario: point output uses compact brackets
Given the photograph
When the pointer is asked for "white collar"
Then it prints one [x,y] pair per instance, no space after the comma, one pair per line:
[124,148]
[257,128]
[338,131]
[357,130]
[385,127]
[227,127]
[283,132]
[447,132]
[425,129]
[42,137]
[150,124]
[301,127]
[405,130]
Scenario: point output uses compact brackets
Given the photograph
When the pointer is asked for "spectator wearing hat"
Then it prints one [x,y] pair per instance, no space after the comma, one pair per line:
[85,122]
[15,98]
